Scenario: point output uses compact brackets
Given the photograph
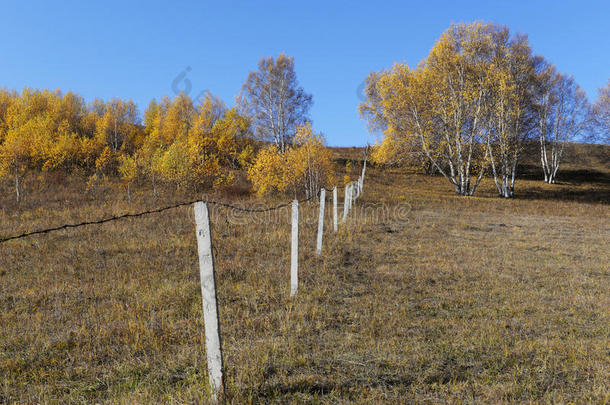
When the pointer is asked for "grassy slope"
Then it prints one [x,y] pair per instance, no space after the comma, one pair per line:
[436,298]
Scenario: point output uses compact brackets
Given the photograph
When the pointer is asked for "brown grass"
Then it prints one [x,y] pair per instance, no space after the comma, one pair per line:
[461,300]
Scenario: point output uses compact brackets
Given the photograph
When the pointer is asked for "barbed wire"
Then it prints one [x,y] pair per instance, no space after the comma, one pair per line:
[155,211]
[147,212]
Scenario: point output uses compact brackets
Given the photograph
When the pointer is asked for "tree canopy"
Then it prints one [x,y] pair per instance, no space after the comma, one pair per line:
[275,101]
[470,106]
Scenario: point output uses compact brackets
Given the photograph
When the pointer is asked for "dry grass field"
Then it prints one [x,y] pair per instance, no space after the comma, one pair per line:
[421,297]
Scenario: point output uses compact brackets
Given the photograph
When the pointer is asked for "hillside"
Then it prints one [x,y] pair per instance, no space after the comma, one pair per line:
[422,296]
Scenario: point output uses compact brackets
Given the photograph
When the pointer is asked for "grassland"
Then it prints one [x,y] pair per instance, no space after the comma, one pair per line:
[421,297]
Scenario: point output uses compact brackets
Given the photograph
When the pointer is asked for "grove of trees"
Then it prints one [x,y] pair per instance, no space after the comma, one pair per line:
[466,111]
[470,106]
[307,165]
[175,144]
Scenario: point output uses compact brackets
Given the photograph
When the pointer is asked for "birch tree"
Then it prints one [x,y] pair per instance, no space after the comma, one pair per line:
[118,120]
[442,104]
[305,167]
[512,76]
[563,112]
[601,114]
[273,99]
[469,104]
[7,98]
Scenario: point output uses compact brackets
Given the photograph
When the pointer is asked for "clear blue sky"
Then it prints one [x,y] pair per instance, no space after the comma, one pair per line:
[135,50]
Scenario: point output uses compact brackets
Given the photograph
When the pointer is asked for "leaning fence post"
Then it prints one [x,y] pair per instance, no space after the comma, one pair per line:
[208,292]
[321,221]
[335,209]
[294,250]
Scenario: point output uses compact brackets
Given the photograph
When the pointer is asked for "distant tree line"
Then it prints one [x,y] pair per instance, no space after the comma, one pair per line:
[469,108]
[176,143]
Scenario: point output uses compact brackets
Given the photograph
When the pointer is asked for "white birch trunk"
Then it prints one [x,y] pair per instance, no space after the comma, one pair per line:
[17,188]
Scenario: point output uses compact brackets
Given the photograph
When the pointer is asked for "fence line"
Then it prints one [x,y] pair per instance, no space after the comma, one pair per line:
[153,211]
[143,213]
[353,191]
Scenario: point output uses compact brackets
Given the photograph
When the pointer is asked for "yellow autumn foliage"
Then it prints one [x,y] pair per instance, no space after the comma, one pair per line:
[304,167]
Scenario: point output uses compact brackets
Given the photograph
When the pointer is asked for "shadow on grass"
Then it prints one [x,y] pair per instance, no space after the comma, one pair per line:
[593,185]
[325,387]
[566,176]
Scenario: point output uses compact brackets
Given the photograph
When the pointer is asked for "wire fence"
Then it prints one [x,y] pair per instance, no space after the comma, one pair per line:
[206,262]
[153,211]
[147,212]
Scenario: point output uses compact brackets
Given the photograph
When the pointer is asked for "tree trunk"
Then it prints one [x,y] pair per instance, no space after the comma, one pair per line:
[17,187]
[154,184]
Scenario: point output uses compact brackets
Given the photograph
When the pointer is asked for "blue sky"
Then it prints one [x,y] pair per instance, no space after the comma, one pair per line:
[137,49]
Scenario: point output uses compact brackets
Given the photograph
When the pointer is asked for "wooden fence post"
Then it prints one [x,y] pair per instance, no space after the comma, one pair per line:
[321,221]
[335,209]
[294,250]
[208,292]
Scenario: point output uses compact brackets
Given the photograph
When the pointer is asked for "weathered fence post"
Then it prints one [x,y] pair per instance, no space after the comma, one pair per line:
[208,292]
[294,250]
[335,209]
[345,202]
[321,221]
[347,197]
